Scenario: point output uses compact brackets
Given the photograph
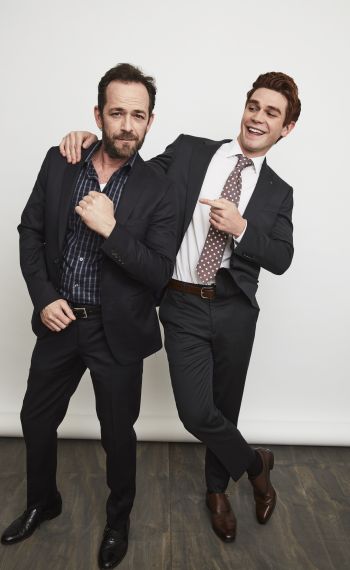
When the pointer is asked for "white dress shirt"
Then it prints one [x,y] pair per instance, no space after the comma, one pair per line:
[221,165]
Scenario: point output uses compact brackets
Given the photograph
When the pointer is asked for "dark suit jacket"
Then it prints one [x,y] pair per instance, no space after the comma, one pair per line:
[268,240]
[138,255]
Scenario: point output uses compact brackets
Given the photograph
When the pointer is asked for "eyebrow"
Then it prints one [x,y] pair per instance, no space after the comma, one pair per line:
[122,109]
[270,107]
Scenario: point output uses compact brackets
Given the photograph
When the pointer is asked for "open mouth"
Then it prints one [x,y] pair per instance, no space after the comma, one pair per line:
[255,131]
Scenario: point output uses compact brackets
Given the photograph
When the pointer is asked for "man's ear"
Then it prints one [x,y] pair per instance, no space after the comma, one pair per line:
[150,121]
[287,129]
[98,117]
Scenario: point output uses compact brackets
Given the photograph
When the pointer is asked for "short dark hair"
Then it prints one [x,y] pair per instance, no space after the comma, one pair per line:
[126,73]
[278,81]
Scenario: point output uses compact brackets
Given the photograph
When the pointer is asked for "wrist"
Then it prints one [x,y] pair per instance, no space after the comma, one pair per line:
[240,227]
[109,227]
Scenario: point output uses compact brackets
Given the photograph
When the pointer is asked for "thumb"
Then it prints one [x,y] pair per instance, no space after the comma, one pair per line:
[67,310]
[88,141]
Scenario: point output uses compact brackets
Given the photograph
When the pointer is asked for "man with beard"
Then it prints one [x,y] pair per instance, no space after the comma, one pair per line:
[209,310]
[97,245]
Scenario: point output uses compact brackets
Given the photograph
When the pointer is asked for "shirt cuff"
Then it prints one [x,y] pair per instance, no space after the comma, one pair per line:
[238,238]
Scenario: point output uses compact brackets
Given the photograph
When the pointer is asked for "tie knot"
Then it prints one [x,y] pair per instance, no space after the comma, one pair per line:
[243,162]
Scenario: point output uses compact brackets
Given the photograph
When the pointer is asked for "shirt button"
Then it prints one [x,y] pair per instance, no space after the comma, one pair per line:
[81,259]
[76,284]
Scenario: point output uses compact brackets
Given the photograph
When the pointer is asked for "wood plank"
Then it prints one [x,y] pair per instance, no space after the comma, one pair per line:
[170,526]
[327,489]
[73,539]
[292,538]
[149,545]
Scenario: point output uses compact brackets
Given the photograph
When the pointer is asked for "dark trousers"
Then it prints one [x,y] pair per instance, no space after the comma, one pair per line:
[209,343]
[58,363]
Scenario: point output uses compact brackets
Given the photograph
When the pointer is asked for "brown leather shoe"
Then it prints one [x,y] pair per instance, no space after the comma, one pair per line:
[222,516]
[264,493]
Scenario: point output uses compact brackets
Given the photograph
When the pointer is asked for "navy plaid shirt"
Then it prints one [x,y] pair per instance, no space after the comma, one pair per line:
[82,257]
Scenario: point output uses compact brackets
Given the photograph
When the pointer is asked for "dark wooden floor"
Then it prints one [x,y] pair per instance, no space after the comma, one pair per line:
[169,527]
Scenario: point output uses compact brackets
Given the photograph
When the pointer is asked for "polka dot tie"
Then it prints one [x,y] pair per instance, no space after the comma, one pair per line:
[215,243]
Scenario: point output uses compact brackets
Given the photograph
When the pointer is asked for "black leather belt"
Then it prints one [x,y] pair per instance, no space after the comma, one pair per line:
[85,311]
[203,291]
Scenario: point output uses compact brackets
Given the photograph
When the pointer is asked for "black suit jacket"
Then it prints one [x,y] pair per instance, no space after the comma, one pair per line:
[268,240]
[138,255]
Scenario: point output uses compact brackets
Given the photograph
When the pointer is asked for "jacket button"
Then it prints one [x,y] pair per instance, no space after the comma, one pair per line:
[56,260]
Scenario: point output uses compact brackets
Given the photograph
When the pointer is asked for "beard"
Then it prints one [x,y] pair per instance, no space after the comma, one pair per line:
[125,150]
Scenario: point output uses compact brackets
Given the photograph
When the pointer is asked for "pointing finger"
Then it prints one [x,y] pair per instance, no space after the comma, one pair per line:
[220,205]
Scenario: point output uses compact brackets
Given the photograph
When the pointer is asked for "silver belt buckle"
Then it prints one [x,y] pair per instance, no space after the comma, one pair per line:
[81,312]
[203,289]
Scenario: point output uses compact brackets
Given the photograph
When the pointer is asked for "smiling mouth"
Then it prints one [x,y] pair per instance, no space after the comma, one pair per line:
[254,131]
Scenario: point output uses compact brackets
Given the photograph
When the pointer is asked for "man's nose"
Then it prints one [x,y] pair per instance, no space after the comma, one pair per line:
[258,116]
[126,124]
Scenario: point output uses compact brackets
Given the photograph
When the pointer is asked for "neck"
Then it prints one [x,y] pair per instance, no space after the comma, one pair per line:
[247,152]
[105,166]
[108,163]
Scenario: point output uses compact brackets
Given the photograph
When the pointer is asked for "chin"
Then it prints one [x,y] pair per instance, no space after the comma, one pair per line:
[129,147]
[253,146]
[124,151]
[249,147]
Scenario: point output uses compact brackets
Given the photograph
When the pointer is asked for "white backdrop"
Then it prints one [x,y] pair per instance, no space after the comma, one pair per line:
[204,56]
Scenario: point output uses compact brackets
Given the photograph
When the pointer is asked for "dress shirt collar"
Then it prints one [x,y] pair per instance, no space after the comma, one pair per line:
[233,148]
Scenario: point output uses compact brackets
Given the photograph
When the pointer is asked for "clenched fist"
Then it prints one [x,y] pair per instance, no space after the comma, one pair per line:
[97,212]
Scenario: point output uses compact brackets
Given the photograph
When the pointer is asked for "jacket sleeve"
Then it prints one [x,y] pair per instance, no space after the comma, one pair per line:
[32,244]
[162,162]
[273,251]
[151,260]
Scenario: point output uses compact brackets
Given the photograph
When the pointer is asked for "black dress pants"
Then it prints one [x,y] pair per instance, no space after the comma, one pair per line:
[208,344]
[58,363]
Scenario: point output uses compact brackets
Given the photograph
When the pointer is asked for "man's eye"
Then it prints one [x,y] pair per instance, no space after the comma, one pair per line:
[139,116]
[116,114]
[271,114]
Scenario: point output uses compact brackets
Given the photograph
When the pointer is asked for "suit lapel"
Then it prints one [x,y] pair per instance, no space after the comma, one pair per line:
[131,191]
[200,161]
[261,194]
[70,178]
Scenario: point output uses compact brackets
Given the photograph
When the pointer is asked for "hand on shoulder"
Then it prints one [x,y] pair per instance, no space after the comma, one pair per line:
[73,142]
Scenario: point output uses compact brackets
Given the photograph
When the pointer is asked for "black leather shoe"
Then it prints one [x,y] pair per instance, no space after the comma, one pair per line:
[113,547]
[26,524]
